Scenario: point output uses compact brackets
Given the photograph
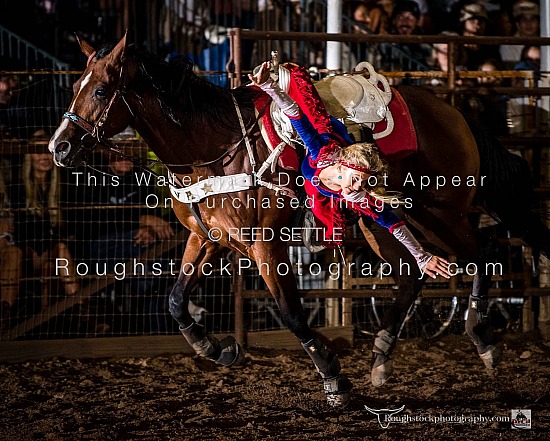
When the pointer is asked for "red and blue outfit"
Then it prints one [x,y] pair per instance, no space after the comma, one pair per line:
[323,138]
[326,203]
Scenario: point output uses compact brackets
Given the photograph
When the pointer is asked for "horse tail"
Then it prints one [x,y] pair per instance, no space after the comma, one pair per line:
[507,190]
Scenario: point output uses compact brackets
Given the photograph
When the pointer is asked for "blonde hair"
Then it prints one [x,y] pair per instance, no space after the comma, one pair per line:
[32,201]
[366,155]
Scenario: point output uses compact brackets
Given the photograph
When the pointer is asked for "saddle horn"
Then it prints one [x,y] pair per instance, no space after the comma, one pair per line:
[374,79]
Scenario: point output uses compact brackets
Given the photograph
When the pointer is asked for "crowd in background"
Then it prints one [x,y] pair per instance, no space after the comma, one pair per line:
[34,217]
[483,18]
[50,215]
[192,26]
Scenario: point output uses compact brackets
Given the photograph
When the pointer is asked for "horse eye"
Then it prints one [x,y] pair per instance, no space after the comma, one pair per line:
[100,92]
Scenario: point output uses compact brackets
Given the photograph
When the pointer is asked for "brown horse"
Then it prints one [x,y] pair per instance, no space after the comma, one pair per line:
[200,130]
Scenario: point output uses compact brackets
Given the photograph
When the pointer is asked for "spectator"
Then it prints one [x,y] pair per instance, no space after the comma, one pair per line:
[473,21]
[444,14]
[405,18]
[425,21]
[11,261]
[387,6]
[529,60]
[440,61]
[523,111]
[7,85]
[131,223]
[9,115]
[487,107]
[502,24]
[440,55]
[224,15]
[123,227]
[527,21]
[38,222]
[370,18]
[489,66]
[405,21]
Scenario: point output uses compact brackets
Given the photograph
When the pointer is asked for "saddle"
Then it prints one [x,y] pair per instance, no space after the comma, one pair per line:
[347,97]
[359,99]
[360,102]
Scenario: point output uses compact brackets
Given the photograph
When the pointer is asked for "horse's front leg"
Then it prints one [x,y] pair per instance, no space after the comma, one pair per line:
[198,253]
[409,280]
[478,326]
[276,270]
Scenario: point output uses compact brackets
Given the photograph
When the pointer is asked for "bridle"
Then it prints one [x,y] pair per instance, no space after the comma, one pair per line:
[97,131]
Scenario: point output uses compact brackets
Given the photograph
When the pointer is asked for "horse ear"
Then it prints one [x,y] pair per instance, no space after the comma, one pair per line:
[119,50]
[85,47]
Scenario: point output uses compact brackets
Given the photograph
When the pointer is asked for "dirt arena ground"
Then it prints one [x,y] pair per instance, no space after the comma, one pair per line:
[278,396]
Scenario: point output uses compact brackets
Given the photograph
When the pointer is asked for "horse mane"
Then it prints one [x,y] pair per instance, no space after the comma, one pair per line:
[186,99]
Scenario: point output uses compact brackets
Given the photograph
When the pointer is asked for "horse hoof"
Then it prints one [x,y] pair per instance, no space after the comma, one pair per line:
[231,353]
[339,400]
[240,360]
[492,356]
[338,391]
[382,370]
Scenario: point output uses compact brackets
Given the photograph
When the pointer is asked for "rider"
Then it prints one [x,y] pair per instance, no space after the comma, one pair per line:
[337,176]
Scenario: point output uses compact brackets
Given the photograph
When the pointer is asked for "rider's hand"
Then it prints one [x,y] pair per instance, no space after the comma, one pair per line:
[262,75]
[437,266]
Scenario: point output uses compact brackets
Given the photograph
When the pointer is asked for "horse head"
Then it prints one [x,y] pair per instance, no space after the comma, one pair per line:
[98,109]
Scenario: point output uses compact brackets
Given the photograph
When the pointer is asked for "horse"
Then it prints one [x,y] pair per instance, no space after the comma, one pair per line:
[200,130]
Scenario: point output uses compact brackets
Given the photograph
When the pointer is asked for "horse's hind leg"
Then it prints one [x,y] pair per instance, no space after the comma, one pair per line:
[409,280]
[450,230]
[271,258]
[199,252]
[478,327]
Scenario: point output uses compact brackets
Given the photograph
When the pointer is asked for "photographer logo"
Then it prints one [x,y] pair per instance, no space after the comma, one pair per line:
[521,419]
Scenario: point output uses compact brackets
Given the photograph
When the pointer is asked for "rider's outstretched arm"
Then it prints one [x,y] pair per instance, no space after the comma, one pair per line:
[427,262]
[311,138]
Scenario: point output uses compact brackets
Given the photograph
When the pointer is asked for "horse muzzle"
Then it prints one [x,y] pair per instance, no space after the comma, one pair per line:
[66,154]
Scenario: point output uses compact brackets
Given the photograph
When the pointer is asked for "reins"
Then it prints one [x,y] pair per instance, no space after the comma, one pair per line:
[111,146]
[192,194]
[96,132]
